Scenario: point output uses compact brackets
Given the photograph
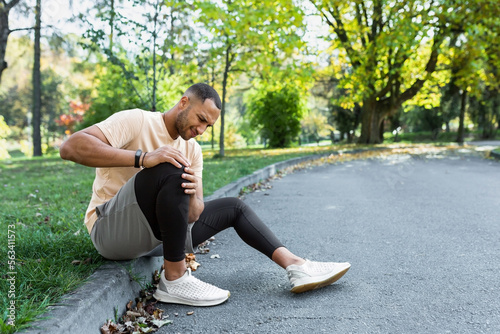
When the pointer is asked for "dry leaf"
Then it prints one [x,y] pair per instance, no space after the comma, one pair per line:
[143,318]
[191,262]
[78,262]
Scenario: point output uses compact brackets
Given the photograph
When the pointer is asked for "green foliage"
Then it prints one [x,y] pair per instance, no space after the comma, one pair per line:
[420,119]
[384,51]
[315,125]
[254,37]
[113,94]
[277,114]
[4,133]
[13,105]
[485,112]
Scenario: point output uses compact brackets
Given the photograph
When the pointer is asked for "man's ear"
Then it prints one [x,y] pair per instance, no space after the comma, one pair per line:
[184,102]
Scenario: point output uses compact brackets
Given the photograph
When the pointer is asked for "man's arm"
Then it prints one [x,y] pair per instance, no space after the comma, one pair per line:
[90,147]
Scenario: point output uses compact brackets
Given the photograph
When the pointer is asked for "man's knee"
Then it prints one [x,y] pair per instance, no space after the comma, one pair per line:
[165,168]
[235,203]
[161,173]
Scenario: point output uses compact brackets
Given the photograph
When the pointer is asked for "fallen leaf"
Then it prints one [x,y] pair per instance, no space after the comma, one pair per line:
[191,262]
[160,323]
[78,262]
[151,309]
[133,314]
[129,305]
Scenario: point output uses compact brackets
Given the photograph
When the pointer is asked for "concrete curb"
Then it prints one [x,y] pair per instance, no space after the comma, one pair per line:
[108,290]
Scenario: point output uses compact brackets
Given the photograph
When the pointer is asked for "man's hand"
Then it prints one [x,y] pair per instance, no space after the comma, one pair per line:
[194,188]
[191,185]
[165,154]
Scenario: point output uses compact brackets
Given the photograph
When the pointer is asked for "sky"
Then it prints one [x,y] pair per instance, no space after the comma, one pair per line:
[54,12]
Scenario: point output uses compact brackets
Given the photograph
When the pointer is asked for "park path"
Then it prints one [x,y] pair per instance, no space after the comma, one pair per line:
[421,232]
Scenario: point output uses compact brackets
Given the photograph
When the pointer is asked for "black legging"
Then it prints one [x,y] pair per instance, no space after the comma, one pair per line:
[165,205]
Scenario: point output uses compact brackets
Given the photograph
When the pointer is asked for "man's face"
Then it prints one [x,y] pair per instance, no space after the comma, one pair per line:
[196,117]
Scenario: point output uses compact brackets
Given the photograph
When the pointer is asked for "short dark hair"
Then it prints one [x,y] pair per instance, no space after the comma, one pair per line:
[203,91]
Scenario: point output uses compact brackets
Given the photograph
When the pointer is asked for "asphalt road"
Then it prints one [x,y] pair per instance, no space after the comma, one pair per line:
[422,235]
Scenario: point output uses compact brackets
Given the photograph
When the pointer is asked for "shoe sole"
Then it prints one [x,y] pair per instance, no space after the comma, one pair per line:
[319,284]
[166,298]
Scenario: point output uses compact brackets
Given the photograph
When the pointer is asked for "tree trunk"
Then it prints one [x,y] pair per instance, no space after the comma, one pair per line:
[153,95]
[112,25]
[37,97]
[4,31]
[224,90]
[461,126]
[222,112]
[4,35]
[371,122]
[212,128]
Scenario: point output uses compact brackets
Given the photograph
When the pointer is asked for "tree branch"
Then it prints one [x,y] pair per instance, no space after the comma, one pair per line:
[429,68]
[359,18]
[11,4]
[341,32]
[21,29]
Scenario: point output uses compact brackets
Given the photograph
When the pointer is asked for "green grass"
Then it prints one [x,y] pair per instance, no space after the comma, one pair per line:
[44,201]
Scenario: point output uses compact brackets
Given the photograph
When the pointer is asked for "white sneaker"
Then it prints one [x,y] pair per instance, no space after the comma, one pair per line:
[314,275]
[189,290]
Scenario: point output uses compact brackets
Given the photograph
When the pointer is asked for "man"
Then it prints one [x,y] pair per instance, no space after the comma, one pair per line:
[148,192]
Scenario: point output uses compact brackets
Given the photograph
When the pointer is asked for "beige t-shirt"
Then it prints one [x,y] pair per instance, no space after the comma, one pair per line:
[132,130]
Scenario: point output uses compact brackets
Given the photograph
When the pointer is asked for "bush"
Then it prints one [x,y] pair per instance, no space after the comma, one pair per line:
[277,114]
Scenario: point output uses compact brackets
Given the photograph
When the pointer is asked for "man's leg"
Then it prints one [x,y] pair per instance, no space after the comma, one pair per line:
[166,206]
[223,213]
[304,275]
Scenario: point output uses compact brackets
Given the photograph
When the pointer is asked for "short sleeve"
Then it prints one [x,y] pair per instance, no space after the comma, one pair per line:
[197,161]
[122,127]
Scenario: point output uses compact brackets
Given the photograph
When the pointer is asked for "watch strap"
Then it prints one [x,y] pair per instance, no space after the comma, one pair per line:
[138,154]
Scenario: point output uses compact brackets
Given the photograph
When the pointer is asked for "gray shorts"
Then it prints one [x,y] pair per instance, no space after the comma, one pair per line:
[121,231]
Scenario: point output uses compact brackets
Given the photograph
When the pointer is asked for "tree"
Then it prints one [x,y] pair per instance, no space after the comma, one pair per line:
[5,31]
[277,113]
[248,35]
[474,59]
[37,95]
[392,48]
[164,26]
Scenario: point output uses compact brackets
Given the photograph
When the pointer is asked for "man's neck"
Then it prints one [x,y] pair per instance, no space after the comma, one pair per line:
[169,119]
